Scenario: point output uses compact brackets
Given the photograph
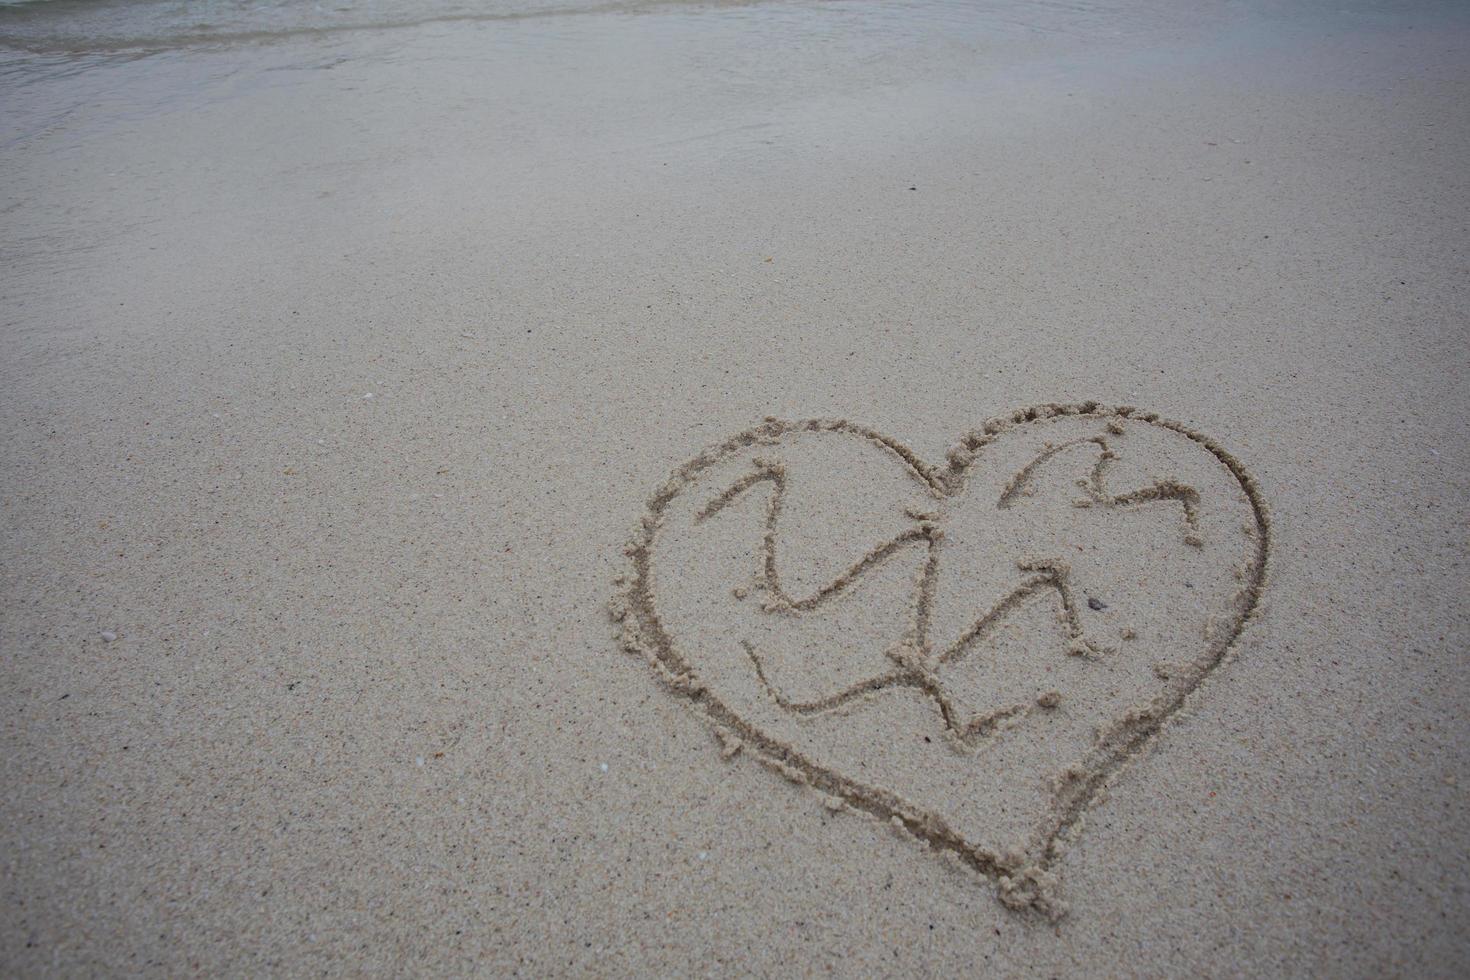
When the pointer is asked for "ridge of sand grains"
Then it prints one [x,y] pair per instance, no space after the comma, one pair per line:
[1024,882]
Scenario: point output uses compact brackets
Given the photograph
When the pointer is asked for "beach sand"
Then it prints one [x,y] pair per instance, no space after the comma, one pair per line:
[398,573]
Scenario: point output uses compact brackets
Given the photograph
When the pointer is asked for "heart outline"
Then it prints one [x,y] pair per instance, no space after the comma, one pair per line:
[1019,885]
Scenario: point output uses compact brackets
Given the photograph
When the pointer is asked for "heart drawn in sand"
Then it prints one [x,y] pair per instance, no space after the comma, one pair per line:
[970,651]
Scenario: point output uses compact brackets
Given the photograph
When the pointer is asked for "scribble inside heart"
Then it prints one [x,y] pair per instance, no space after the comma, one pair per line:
[969,650]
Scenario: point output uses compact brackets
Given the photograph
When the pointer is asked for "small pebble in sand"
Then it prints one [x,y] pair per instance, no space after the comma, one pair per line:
[604,767]
[367,397]
[704,855]
[1096,605]
[107,636]
[418,760]
[1050,699]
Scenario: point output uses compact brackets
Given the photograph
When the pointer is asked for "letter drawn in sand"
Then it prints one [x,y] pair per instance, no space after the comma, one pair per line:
[969,651]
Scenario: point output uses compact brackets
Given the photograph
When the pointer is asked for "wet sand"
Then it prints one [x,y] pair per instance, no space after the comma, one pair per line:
[346,364]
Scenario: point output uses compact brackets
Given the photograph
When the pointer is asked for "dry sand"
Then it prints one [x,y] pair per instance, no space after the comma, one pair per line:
[355,368]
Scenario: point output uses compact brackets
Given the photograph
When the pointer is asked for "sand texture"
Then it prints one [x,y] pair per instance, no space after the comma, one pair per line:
[780,488]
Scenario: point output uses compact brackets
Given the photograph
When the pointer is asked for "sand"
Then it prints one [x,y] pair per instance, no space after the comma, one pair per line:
[399,571]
